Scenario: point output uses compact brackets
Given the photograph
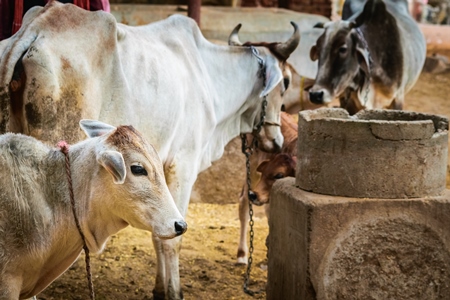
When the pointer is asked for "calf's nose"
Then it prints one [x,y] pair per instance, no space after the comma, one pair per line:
[180,227]
[316,97]
[252,196]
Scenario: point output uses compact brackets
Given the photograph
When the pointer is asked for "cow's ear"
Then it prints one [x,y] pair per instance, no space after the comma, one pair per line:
[262,165]
[313,53]
[273,75]
[94,128]
[113,162]
[287,76]
[363,60]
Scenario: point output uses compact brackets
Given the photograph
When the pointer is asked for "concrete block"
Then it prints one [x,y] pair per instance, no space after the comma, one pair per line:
[329,247]
[373,154]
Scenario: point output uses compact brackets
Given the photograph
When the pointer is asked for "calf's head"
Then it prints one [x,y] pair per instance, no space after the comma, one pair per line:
[130,181]
[275,81]
[281,166]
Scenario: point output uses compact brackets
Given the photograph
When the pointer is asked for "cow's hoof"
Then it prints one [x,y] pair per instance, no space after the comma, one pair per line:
[242,261]
[158,295]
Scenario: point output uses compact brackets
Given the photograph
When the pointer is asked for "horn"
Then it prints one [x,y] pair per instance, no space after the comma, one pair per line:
[233,40]
[285,49]
[319,25]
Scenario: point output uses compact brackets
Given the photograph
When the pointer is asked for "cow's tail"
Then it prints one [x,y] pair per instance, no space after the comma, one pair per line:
[11,70]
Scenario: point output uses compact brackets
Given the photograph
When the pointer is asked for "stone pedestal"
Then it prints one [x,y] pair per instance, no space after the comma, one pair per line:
[371,219]
[328,247]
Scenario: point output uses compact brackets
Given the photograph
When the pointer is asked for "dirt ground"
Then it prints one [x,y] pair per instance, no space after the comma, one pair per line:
[126,269]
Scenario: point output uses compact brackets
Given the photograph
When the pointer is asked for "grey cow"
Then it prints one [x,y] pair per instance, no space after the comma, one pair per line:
[371,58]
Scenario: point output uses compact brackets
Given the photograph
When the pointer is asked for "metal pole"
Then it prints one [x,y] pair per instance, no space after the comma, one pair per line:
[194,10]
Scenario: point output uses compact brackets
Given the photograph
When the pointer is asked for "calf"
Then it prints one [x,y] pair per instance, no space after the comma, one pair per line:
[257,159]
[118,180]
[278,166]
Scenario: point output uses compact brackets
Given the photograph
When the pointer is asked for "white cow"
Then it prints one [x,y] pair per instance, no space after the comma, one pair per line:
[188,96]
[118,180]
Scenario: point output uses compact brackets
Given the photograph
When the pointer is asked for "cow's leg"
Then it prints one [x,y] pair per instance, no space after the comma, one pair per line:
[159,290]
[168,276]
[243,218]
[180,180]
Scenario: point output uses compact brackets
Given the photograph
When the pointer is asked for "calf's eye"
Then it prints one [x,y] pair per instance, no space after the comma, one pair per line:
[138,170]
[278,176]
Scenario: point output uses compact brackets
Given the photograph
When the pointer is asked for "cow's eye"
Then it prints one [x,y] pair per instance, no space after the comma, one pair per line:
[343,49]
[278,176]
[138,170]
[286,82]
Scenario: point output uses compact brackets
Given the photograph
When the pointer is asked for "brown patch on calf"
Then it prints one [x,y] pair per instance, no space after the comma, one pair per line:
[126,137]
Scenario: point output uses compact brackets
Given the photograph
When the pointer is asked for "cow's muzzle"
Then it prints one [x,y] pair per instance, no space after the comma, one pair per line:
[180,227]
[316,97]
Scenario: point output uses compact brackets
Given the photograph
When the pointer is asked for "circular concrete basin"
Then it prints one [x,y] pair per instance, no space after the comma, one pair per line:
[373,154]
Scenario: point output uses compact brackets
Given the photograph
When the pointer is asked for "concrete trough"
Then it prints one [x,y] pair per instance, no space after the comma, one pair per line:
[371,217]
[373,154]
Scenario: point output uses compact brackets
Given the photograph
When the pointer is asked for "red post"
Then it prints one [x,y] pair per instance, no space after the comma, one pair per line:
[194,10]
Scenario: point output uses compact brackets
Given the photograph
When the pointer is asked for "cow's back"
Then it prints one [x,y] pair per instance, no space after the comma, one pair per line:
[412,42]
[61,76]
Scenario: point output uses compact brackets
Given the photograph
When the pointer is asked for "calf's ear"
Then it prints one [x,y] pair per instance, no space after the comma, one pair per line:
[262,165]
[94,128]
[113,162]
[293,166]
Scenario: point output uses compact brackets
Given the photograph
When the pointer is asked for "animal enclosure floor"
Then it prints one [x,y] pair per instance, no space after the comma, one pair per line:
[126,269]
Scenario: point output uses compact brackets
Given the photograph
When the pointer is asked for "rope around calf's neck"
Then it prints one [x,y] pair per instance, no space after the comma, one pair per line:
[64,147]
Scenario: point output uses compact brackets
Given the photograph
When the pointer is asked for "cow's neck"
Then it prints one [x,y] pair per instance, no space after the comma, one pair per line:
[237,85]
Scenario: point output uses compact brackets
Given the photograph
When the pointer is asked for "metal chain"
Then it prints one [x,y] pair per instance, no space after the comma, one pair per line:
[65,150]
[248,151]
